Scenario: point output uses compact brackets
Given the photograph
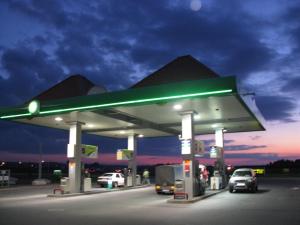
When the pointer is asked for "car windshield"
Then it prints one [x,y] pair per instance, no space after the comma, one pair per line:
[107,175]
[242,173]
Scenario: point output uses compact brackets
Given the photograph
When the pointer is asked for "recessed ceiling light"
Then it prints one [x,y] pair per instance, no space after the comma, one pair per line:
[122,132]
[58,119]
[177,107]
[90,125]
[214,125]
[197,117]
[141,135]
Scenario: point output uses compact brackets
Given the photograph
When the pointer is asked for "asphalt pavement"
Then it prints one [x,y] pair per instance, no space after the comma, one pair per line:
[276,203]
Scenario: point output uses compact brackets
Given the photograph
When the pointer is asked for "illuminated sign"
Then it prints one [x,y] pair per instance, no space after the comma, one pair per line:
[185,146]
[260,171]
[215,152]
[187,164]
[124,154]
[89,151]
[34,107]
[199,148]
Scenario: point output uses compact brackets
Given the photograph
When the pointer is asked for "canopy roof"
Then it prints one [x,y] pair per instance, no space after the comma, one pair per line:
[147,110]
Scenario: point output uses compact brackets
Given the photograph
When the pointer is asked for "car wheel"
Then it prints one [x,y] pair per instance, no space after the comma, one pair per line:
[115,184]
[230,190]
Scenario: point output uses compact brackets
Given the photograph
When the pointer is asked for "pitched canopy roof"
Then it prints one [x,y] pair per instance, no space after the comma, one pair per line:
[183,68]
[73,86]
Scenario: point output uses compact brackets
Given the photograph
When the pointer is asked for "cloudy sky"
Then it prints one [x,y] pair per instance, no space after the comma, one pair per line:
[116,43]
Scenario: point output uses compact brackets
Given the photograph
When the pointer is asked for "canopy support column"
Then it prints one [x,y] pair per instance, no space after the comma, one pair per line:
[219,164]
[187,151]
[74,155]
[132,164]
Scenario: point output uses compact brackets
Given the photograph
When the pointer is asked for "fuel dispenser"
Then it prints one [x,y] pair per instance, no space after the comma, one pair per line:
[189,169]
[199,185]
[218,180]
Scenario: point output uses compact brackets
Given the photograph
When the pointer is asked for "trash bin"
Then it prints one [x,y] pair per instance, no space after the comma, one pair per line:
[109,184]
[65,184]
[179,192]
[138,179]
[216,183]
[87,184]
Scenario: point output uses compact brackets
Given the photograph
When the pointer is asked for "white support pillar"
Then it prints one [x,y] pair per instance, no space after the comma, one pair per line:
[74,155]
[132,164]
[219,164]
[187,151]
[219,137]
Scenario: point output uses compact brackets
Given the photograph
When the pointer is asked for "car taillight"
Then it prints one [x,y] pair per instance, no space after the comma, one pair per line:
[157,187]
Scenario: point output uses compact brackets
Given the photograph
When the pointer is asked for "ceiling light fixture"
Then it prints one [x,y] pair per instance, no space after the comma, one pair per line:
[177,107]
[58,119]
[197,116]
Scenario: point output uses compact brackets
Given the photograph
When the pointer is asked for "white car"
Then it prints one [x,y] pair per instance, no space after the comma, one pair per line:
[243,179]
[117,179]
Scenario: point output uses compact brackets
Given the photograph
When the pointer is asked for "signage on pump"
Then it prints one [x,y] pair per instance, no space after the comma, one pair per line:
[89,151]
[215,152]
[124,154]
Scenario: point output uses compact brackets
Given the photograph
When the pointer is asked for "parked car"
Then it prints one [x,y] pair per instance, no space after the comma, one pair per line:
[243,179]
[117,179]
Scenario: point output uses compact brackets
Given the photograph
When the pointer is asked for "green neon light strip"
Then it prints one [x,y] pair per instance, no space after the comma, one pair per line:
[122,103]
[14,116]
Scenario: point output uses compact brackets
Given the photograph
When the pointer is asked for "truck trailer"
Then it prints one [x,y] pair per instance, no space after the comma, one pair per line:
[165,177]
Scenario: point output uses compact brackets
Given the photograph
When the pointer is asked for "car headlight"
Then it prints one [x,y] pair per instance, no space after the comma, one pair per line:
[250,180]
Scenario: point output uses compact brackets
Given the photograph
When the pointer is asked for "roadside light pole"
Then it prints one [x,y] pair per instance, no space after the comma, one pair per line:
[40,161]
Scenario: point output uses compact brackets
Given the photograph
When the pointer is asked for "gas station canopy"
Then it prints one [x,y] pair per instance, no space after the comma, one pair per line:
[150,111]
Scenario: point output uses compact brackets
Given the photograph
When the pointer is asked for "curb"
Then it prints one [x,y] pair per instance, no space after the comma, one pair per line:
[196,199]
[95,192]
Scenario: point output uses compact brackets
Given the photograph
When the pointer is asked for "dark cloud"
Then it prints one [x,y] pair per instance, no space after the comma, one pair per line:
[30,72]
[50,12]
[292,17]
[292,86]
[254,138]
[277,107]
[150,33]
[254,156]
[243,147]
[212,142]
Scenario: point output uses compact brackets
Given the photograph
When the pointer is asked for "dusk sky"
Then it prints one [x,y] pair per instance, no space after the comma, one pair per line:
[116,43]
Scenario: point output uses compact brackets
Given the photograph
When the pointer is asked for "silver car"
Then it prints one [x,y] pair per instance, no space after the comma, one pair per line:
[243,179]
